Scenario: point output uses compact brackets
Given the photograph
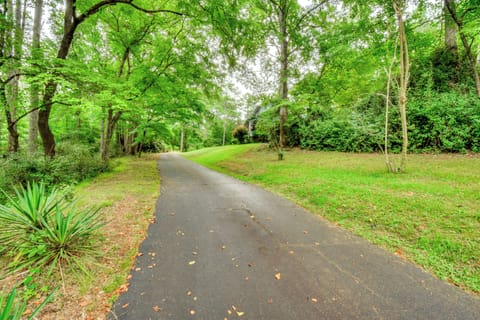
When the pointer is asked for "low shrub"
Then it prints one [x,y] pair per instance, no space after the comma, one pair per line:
[39,228]
[73,163]
[240,133]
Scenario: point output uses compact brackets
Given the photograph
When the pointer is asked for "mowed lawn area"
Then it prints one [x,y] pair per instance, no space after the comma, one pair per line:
[430,215]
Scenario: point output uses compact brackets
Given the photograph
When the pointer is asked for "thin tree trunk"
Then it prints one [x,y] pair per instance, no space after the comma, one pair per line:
[34,88]
[102,131]
[13,136]
[12,132]
[472,60]
[283,72]
[182,139]
[224,132]
[390,167]
[404,78]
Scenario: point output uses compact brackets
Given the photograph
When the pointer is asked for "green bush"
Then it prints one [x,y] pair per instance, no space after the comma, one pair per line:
[72,164]
[440,122]
[446,122]
[41,229]
[241,134]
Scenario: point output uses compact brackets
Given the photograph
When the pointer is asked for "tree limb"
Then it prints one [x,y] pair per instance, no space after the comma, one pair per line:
[96,7]
[310,11]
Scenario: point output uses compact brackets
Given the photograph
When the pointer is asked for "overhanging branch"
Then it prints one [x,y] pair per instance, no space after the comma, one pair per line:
[105,3]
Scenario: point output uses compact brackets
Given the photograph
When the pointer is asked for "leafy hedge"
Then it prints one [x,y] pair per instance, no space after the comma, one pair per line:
[438,122]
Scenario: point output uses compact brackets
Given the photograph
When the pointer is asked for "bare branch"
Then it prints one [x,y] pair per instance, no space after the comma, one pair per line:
[96,7]
[310,11]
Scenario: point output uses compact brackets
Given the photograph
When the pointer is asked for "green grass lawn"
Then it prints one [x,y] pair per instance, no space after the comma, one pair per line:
[430,215]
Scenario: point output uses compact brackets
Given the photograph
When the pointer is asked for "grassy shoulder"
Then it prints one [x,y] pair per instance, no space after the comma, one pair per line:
[429,215]
[127,196]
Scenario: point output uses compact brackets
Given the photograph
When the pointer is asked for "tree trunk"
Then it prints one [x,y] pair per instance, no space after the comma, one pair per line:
[468,49]
[13,144]
[472,60]
[404,78]
[34,88]
[450,28]
[11,112]
[283,71]
[69,27]
[224,132]
[112,121]
[182,139]
[391,167]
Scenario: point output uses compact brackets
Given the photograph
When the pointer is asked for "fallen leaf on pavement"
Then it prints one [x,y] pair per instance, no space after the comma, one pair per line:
[278,276]
[240,313]
[314,300]
[192,312]
[192,262]
[125,305]
[189,293]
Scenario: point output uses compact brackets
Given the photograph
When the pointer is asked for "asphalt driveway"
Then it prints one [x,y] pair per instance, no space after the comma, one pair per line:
[224,249]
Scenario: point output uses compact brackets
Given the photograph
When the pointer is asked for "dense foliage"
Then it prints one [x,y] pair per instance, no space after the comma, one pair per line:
[341,105]
[103,79]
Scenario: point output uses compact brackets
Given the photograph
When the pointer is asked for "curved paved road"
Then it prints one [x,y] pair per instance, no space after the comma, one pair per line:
[224,249]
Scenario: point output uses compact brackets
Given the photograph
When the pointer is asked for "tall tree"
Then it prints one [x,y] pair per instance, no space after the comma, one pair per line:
[35,90]
[287,24]
[12,44]
[404,59]
[72,20]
